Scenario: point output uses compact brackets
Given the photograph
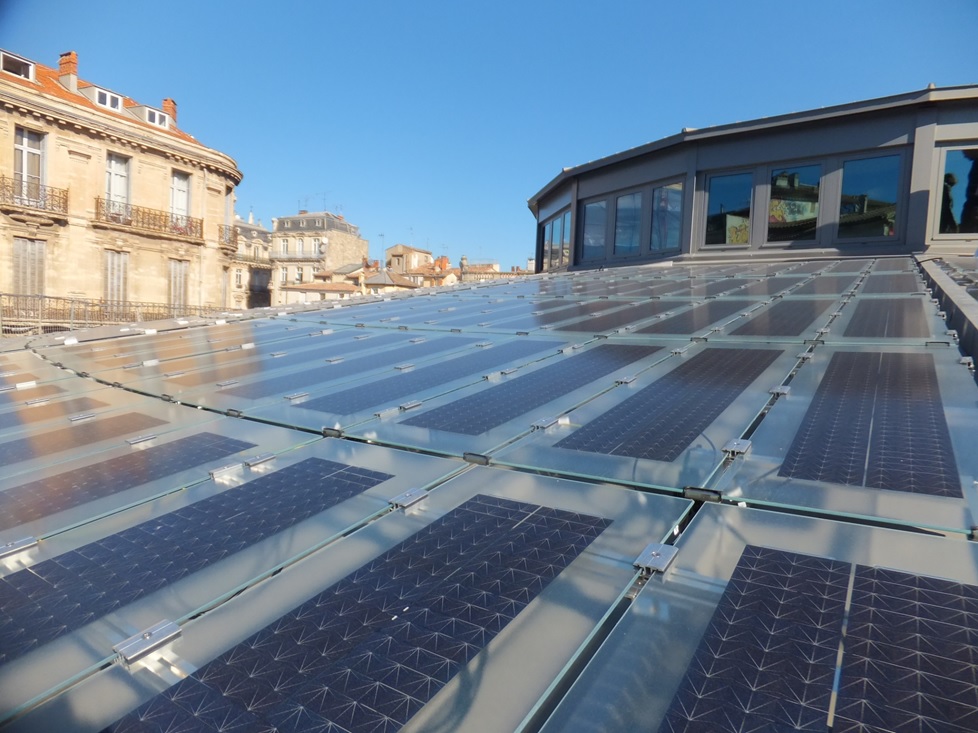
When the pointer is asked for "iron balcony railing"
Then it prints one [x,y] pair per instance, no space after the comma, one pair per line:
[227,235]
[36,314]
[33,195]
[151,220]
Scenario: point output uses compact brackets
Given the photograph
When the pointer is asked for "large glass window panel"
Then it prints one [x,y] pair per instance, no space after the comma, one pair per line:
[547,234]
[555,242]
[595,221]
[28,167]
[869,197]
[793,211]
[959,197]
[667,217]
[728,209]
[566,241]
[628,224]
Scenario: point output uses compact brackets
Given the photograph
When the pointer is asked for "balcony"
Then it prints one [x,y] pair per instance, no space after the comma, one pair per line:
[14,192]
[148,220]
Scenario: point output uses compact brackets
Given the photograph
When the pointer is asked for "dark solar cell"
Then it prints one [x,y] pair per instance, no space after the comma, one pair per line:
[827,285]
[75,436]
[264,362]
[490,408]
[770,286]
[784,318]
[698,318]
[22,395]
[361,397]
[559,314]
[767,659]
[619,318]
[56,596]
[877,420]
[896,283]
[369,652]
[347,368]
[36,413]
[661,420]
[889,318]
[810,267]
[30,501]
[900,265]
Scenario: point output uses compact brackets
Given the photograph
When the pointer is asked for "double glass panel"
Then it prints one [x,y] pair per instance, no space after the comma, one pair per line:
[868,208]
[628,224]
[959,196]
[27,166]
[555,242]
[595,224]
[667,217]
[728,209]
[793,210]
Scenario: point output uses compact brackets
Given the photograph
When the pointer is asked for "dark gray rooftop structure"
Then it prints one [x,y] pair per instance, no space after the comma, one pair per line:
[877,177]
[671,497]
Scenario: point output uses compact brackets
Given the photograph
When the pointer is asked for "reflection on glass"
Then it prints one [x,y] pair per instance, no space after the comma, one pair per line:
[794,203]
[555,242]
[565,244]
[628,224]
[547,233]
[667,217]
[959,200]
[728,209]
[869,197]
[595,219]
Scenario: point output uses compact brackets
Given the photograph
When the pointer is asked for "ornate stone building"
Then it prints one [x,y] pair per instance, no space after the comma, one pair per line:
[105,198]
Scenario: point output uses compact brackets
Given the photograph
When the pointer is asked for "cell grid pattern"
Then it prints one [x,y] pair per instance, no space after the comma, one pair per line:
[57,596]
[47,496]
[347,368]
[661,420]
[891,283]
[827,285]
[265,362]
[767,660]
[19,395]
[698,317]
[902,647]
[877,420]
[555,315]
[75,436]
[364,396]
[770,285]
[619,318]
[784,318]
[47,411]
[490,408]
[369,652]
[889,318]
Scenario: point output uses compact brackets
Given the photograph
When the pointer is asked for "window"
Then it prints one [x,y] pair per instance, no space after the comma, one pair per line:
[728,209]
[628,224]
[287,224]
[298,274]
[285,246]
[302,223]
[300,247]
[108,99]
[868,207]
[115,276]
[959,195]
[319,222]
[595,221]
[793,210]
[238,276]
[180,202]
[117,187]
[156,118]
[315,244]
[28,167]
[667,217]
[28,274]
[16,65]
[285,275]
[179,271]
[547,245]
[255,252]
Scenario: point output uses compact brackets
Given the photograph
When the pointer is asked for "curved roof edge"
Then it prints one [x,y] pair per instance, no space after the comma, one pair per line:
[690,134]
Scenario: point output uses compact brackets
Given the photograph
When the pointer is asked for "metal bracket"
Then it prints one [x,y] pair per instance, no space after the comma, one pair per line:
[227,383]
[781,390]
[408,498]
[296,396]
[140,439]
[15,546]
[259,459]
[655,557]
[476,458]
[332,433]
[736,447]
[140,645]
[695,493]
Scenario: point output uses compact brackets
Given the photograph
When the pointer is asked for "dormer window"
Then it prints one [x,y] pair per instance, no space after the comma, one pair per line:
[156,118]
[16,66]
[108,99]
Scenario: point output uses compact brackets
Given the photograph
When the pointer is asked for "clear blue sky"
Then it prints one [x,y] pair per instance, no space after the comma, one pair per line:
[432,121]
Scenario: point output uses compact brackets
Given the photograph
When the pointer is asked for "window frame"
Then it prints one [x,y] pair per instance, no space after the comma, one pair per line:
[827,167]
[752,207]
[653,187]
[942,151]
[112,100]
[899,221]
[22,155]
[8,60]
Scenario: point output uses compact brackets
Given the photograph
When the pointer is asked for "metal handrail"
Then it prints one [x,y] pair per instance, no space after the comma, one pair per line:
[31,195]
[153,220]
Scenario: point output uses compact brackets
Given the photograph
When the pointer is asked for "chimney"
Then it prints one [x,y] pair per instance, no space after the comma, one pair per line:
[170,108]
[68,71]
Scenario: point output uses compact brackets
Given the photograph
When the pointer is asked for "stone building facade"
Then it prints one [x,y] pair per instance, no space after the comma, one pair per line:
[106,199]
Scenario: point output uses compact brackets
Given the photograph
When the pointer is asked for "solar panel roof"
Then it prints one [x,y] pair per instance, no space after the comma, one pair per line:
[725,497]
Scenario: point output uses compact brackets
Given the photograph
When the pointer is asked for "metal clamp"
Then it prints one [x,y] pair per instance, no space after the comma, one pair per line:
[144,643]
[408,498]
[655,557]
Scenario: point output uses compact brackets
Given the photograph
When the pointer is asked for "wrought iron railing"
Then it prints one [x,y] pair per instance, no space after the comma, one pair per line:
[36,314]
[227,236]
[152,220]
[33,195]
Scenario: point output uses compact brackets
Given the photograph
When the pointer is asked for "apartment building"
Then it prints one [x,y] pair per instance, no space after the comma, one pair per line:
[106,198]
